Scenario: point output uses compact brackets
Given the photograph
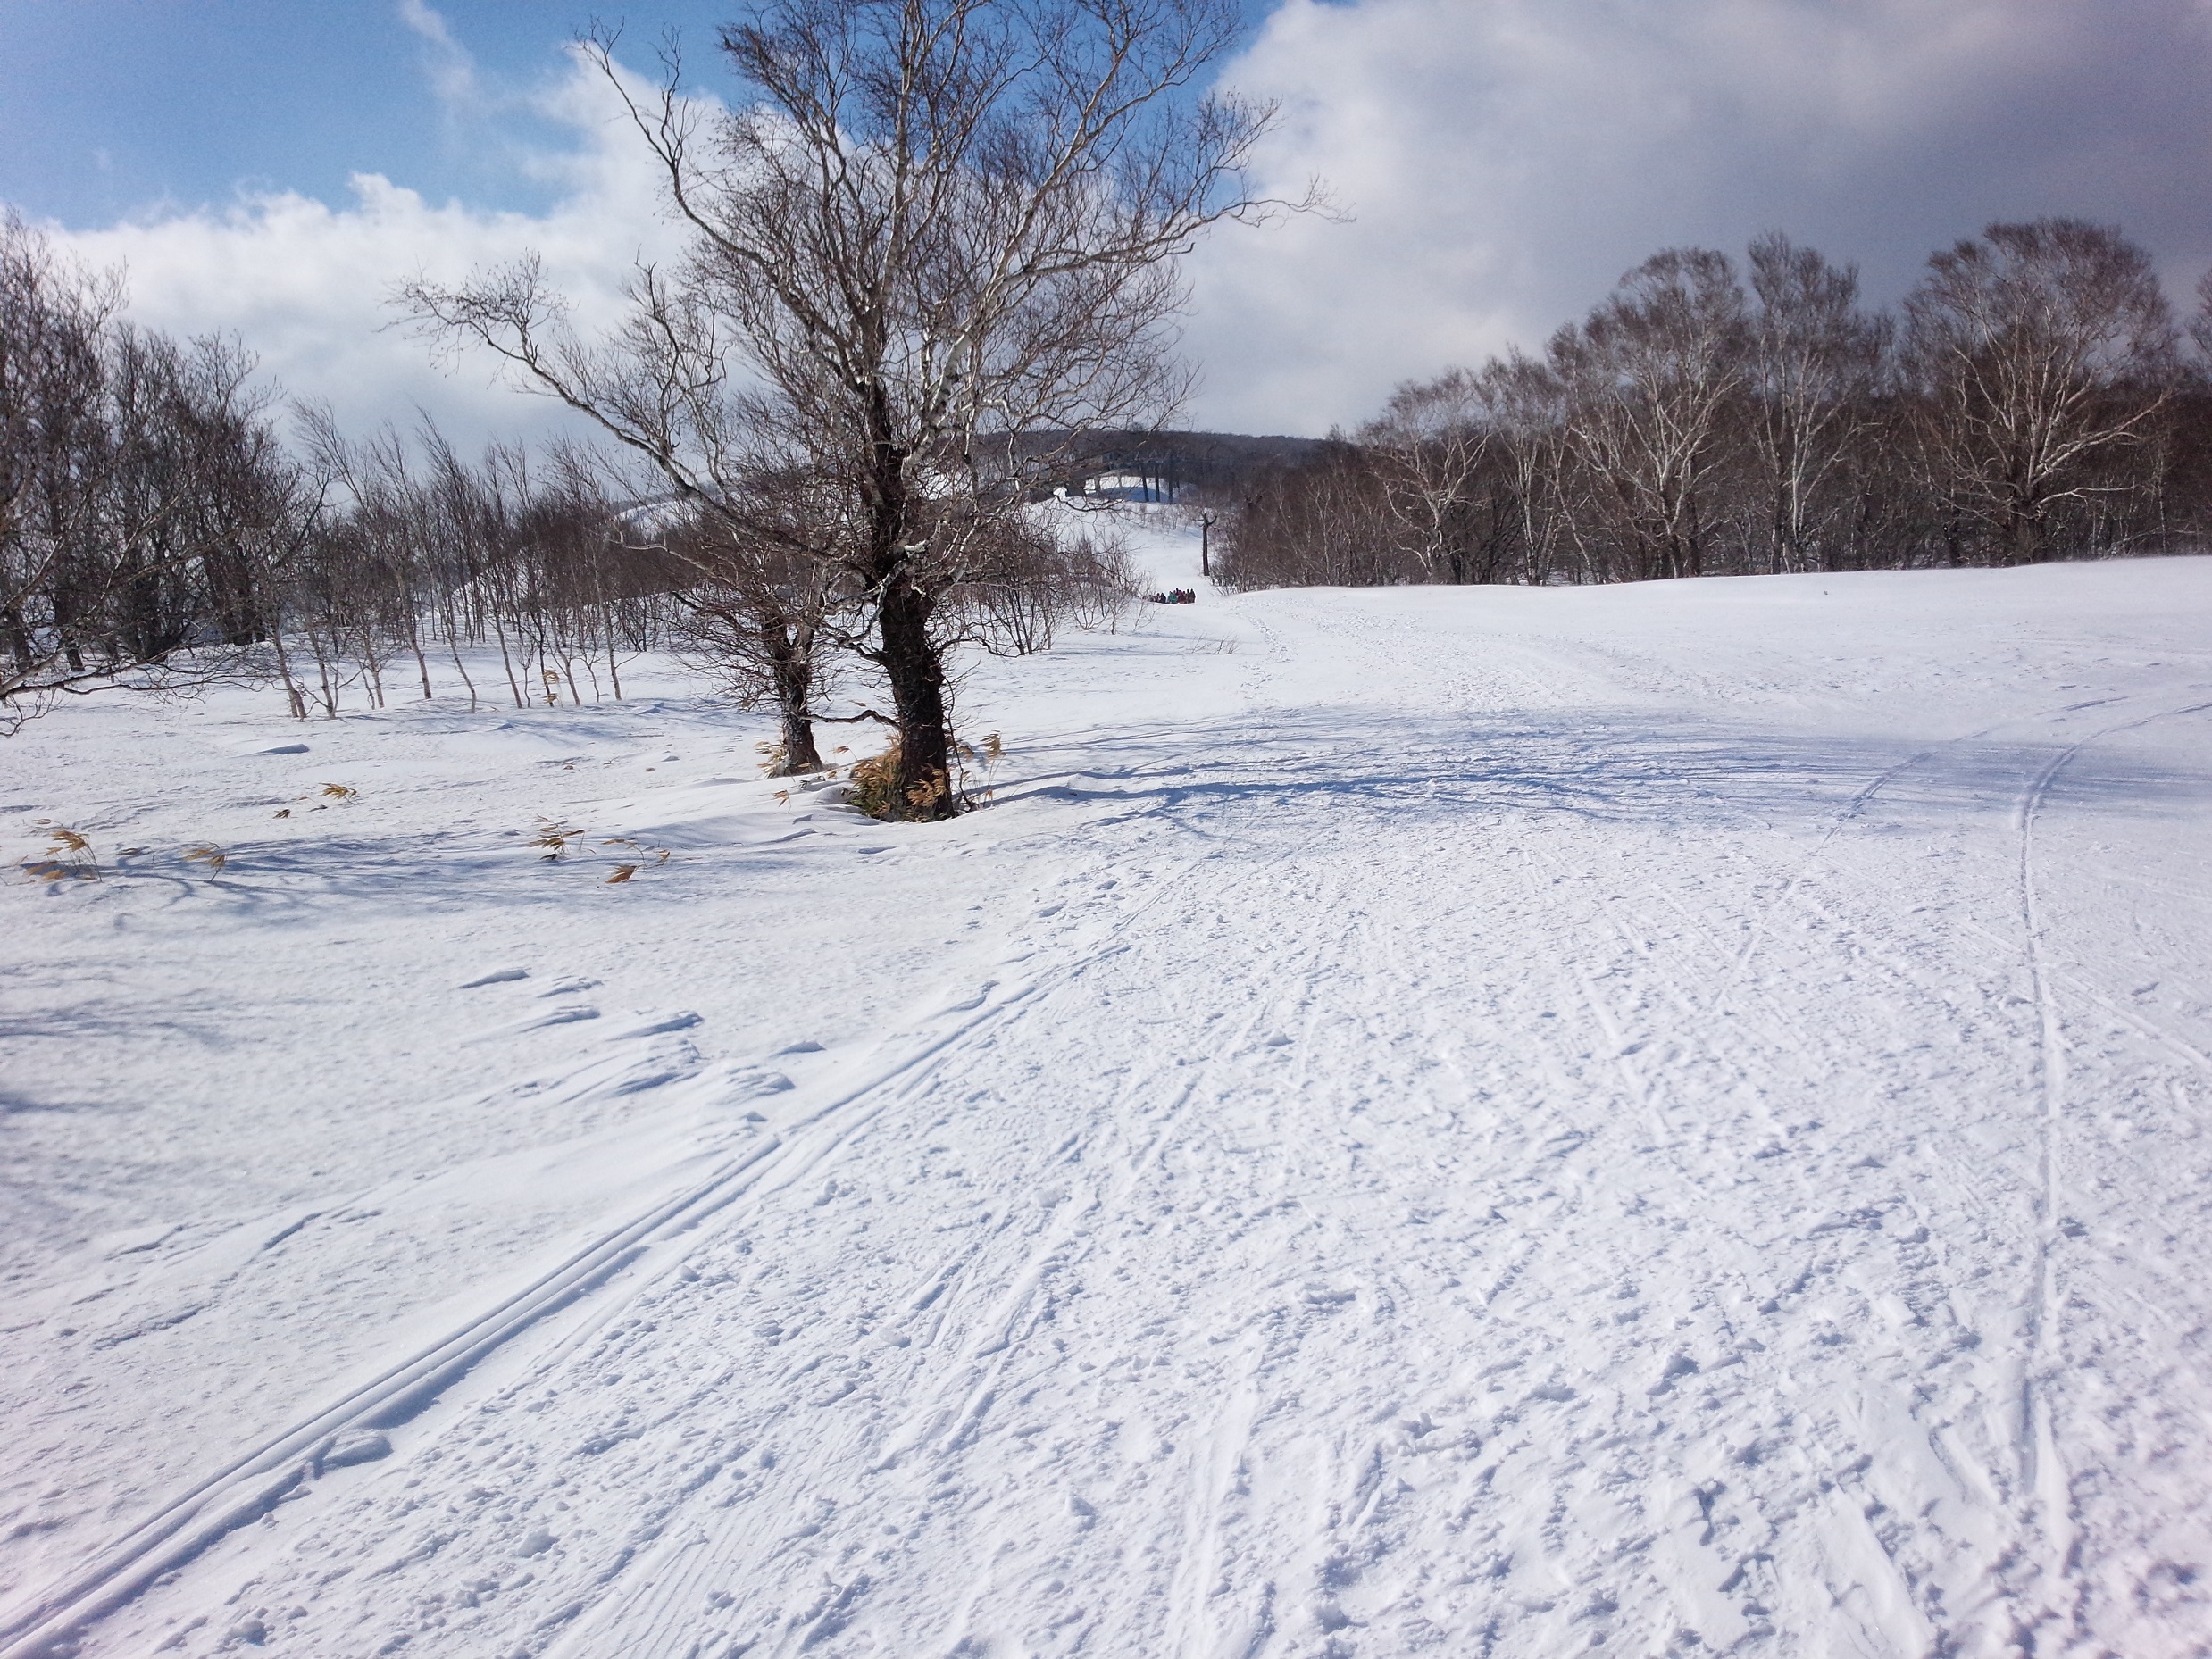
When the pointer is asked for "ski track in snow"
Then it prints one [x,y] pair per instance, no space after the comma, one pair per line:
[1664,1120]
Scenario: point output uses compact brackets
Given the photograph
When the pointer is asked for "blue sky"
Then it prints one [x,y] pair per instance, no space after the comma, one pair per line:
[110,108]
[273,171]
[114,107]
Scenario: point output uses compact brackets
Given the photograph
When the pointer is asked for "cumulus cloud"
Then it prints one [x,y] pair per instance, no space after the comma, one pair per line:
[307,285]
[1503,160]
[1501,163]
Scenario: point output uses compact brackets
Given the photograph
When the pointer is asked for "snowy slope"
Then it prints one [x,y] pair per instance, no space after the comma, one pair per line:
[1670,1119]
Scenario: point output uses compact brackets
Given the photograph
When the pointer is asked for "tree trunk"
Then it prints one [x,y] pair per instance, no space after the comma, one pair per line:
[18,642]
[790,652]
[2023,539]
[908,655]
[800,754]
[911,663]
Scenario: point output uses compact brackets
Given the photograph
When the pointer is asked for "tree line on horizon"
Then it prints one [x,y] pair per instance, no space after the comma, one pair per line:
[160,528]
[2034,397]
[167,523]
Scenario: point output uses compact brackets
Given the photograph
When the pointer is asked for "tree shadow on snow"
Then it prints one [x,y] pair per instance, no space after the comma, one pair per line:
[1657,769]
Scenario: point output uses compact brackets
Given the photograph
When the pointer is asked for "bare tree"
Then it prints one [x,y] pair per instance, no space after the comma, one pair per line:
[2039,350]
[927,222]
[1523,408]
[143,496]
[754,596]
[1035,576]
[1815,363]
[1650,376]
[1431,444]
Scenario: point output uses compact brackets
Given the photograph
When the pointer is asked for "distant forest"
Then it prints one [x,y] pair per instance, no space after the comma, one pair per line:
[2035,397]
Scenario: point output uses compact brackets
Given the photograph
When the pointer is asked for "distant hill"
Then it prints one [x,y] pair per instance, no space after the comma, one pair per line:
[1189,467]
[1184,466]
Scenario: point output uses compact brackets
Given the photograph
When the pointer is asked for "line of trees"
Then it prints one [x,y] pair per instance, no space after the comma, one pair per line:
[141,490]
[2032,399]
[157,531]
[416,554]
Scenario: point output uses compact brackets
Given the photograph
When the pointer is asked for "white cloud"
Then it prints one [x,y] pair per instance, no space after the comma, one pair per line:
[452,71]
[1505,160]
[307,285]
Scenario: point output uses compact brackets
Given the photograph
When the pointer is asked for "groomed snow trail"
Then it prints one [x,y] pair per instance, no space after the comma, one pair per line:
[1666,1121]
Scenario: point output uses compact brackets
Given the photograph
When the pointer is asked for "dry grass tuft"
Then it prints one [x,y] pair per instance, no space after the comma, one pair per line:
[553,838]
[925,797]
[873,784]
[557,839]
[69,856]
[973,757]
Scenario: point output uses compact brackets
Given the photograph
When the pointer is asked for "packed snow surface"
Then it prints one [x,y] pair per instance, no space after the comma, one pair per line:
[1667,1119]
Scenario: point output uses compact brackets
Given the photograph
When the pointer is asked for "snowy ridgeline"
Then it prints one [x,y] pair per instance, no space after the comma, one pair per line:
[1664,1120]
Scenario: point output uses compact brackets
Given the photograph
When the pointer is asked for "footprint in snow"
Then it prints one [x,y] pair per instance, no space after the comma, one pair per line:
[682,1021]
[359,1446]
[497,976]
[551,1017]
[754,1082]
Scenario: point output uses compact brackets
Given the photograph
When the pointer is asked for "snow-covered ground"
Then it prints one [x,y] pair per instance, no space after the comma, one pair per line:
[1668,1119]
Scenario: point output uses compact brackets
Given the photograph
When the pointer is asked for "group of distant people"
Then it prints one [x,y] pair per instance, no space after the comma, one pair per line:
[1175,596]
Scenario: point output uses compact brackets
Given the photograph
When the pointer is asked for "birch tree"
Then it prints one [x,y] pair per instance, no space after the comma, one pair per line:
[1650,376]
[1431,445]
[925,224]
[1815,365]
[2039,350]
